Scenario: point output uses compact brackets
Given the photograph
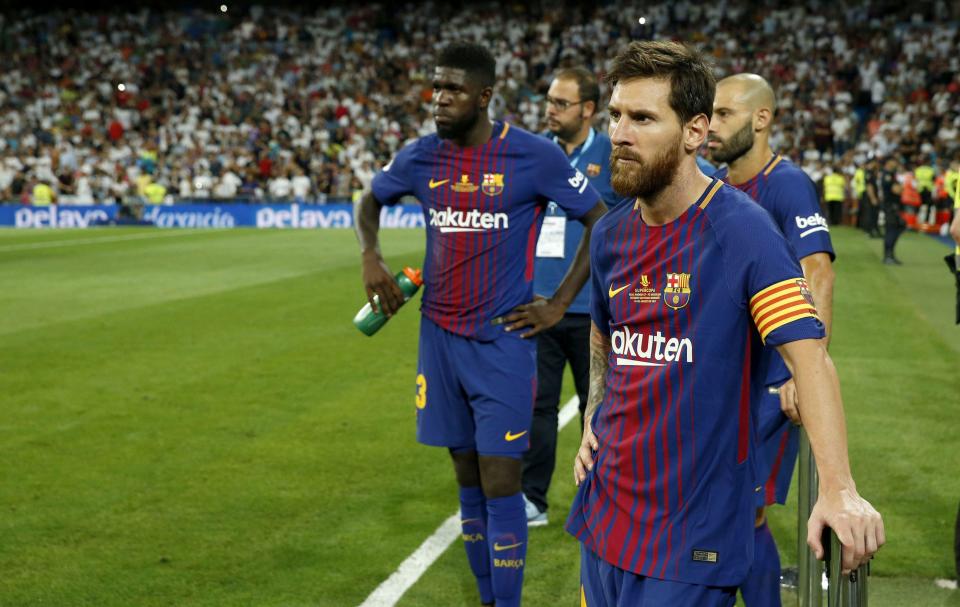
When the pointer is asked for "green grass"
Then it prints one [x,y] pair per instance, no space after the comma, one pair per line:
[190,418]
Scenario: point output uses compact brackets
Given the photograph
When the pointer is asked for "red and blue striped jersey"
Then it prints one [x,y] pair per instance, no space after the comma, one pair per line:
[791,198]
[483,207]
[686,306]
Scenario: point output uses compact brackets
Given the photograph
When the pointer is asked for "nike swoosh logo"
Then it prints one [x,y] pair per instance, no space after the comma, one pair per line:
[500,548]
[464,521]
[436,184]
[512,437]
[613,291]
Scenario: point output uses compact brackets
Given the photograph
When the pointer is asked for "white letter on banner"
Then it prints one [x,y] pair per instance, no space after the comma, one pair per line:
[23,218]
[265,218]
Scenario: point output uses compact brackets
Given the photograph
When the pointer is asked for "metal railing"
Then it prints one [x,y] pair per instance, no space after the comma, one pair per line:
[842,590]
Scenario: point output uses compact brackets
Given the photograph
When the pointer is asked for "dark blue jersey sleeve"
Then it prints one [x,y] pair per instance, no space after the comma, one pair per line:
[563,184]
[793,200]
[395,181]
[766,276]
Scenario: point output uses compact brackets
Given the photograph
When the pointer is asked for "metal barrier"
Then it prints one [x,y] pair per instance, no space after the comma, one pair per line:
[809,569]
[842,590]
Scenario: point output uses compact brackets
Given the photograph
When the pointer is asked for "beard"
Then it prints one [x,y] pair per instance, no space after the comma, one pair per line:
[736,146]
[566,131]
[459,128]
[640,179]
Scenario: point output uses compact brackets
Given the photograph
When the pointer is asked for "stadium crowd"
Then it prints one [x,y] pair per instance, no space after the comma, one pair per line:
[280,104]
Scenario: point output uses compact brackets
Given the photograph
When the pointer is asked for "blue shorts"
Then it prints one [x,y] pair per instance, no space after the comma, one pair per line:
[779,441]
[605,585]
[475,395]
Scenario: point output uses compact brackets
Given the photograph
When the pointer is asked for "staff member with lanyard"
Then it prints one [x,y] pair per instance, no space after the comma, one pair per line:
[572,102]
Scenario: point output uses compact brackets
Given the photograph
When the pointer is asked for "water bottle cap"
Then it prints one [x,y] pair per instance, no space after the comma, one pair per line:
[414,275]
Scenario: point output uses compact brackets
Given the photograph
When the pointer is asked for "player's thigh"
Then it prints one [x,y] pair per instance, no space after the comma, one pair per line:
[777,450]
[499,378]
[650,592]
[605,585]
[444,418]
[599,580]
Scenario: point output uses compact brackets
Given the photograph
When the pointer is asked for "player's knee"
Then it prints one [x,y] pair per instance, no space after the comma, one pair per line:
[500,476]
[466,467]
[761,517]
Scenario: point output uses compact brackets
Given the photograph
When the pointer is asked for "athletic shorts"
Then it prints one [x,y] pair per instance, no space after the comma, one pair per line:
[605,585]
[475,395]
[779,441]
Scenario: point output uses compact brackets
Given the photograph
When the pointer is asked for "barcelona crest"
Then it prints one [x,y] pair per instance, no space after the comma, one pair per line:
[677,292]
[593,170]
[805,291]
[492,184]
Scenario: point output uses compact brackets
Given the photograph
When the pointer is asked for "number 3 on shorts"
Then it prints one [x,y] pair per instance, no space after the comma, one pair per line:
[421,397]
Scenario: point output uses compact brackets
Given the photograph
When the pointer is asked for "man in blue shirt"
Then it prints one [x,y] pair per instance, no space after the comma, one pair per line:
[571,107]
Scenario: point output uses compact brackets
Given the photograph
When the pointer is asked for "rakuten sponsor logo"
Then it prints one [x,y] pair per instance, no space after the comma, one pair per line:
[635,349]
[448,220]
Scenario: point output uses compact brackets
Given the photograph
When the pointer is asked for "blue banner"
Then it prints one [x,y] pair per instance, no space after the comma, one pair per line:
[286,216]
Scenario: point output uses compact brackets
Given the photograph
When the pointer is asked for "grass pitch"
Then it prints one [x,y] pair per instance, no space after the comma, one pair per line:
[190,418]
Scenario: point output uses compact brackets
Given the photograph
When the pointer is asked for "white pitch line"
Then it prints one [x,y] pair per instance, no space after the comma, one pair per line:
[389,592]
[51,244]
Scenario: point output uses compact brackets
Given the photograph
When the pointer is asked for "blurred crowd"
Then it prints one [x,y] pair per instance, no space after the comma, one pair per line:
[275,104]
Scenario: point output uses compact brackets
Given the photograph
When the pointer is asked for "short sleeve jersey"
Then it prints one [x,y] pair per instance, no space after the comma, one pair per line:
[483,206]
[686,305]
[788,194]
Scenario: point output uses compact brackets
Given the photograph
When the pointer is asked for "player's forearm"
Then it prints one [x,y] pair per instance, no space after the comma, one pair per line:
[818,270]
[599,362]
[821,409]
[579,270]
[366,217]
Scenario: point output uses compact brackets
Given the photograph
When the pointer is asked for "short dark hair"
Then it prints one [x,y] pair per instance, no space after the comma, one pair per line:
[476,60]
[587,86]
[692,84]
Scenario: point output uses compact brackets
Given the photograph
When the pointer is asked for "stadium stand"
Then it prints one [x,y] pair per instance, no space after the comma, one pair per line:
[279,104]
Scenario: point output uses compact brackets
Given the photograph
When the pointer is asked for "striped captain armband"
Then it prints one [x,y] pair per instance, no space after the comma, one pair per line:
[782,303]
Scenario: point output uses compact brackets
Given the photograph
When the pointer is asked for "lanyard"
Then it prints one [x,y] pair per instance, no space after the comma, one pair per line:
[583,149]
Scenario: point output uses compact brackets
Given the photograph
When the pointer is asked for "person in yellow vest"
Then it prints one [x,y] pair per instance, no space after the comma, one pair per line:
[143,180]
[834,192]
[923,176]
[43,194]
[155,192]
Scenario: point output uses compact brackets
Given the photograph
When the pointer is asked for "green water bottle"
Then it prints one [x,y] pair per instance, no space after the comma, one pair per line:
[370,321]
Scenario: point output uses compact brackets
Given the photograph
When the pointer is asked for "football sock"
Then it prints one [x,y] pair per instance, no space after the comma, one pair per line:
[473,522]
[762,586]
[507,527]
